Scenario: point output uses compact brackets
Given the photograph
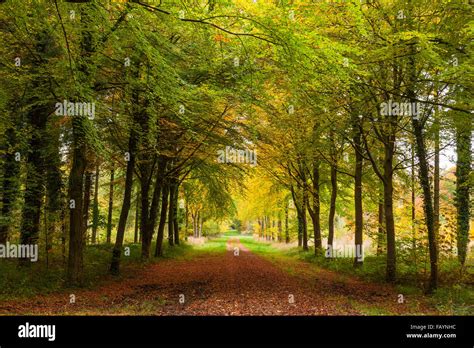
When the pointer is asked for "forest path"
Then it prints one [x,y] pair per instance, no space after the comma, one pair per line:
[223,283]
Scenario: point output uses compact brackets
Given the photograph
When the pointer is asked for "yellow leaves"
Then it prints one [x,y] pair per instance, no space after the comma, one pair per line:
[221,38]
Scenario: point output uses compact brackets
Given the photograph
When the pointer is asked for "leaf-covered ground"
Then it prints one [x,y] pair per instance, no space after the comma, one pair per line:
[225,283]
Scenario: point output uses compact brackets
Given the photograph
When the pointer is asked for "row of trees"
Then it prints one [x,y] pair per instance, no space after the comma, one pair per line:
[153,92]
[372,94]
[128,93]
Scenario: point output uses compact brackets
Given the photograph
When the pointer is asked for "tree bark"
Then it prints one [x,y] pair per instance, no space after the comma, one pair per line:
[76,217]
[137,217]
[318,246]
[423,171]
[194,218]
[111,206]
[146,243]
[87,200]
[304,205]
[63,235]
[299,216]
[304,218]
[201,224]
[34,188]
[388,209]
[95,209]
[117,251]
[436,178]
[161,226]
[186,219]
[332,207]
[54,184]
[280,229]
[463,188]
[175,213]
[145,208]
[10,184]
[357,140]
[427,204]
[170,215]
[79,164]
[381,240]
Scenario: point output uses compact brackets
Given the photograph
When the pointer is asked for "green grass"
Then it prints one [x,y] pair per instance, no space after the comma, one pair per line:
[213,245]
[454,300]
[231,233]
[258,246]
[370,309]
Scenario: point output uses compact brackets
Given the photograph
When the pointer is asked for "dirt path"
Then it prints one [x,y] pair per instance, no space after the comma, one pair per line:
[221,284]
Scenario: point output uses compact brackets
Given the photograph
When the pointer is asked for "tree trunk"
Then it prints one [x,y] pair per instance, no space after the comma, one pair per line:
[381,240]
[79,163]
[63,235]
[427,203]
[117,251]
[137,218]
[95,209]
[146,243]
[161,226]
[111,205]
[388,210]
[269,228]
[54,184]
[423,171]
[10,184]
[34,188]
[170,215]
[175,213]
[358,212]
[194,218]
[47,236]
[87,201]
[201,224]
[144,209]
[304,205]
[280,229]
[197,224]
[463,188]
[304,218]
[299,217]
[76,217]
[300,227]
[436,178]
[332,207]
[186,219]
[318,246]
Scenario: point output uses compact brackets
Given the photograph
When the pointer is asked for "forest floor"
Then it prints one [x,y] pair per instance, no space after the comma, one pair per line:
[216,280]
